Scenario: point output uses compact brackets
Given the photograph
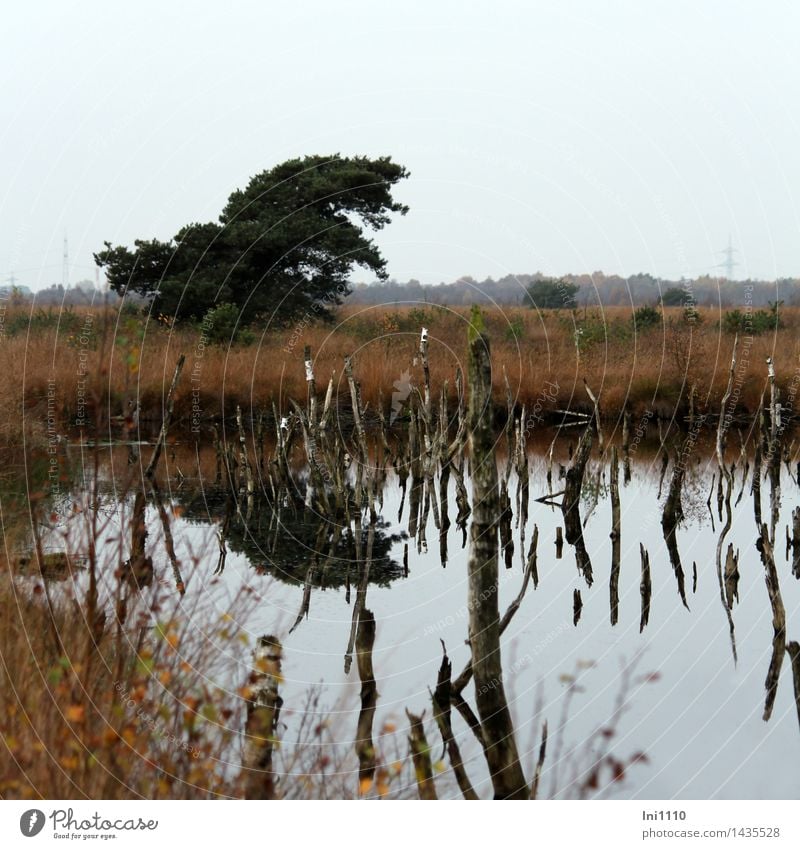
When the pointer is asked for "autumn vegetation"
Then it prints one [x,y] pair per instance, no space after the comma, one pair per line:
[93,361]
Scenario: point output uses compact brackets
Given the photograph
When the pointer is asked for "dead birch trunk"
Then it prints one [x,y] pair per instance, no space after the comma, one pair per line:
[795,544]
[441,713]
[537,775]
[361,440]
[138,569]
[793,650]
[484,618]
[626,440]
[421,757]
[645,588]
[263,710]
[778,620]
[365,748]
[162,435]
[570,505]
[616,538]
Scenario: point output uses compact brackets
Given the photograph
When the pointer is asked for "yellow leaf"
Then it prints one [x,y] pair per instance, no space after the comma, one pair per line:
[75,713]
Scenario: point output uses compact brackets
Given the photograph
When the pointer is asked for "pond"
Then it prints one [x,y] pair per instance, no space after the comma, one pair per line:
[666,706]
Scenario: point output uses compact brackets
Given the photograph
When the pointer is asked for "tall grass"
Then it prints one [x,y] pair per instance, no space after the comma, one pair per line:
[129,360]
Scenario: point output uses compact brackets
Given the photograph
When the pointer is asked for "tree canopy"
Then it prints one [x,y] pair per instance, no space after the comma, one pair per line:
[283,245]
[674,297]
[549,293]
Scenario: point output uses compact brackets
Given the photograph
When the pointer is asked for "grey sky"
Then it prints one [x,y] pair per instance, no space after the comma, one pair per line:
[552,136]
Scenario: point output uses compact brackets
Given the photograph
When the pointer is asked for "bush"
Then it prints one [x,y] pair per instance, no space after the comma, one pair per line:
[594,330]
[418,317]
[221,326]
[753,323]
[551,294]
[515,329]
[646,317]
[674,297]
[43,319]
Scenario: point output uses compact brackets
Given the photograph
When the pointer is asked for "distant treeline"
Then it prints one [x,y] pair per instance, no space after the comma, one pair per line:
[512,290]
[81,294]
[593,290]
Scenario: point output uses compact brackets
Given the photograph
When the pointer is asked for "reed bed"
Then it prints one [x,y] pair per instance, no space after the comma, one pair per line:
[89,361]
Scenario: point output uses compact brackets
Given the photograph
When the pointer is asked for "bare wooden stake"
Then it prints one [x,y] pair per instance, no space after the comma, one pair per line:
[645,587]
[793,650]
[595,401]
[162,435]
[421,757]
[731,577]
[616,538]
[365,747]
[484,620]
[441,713]
[263,711]
[778,619]
[537,775]
[577,606]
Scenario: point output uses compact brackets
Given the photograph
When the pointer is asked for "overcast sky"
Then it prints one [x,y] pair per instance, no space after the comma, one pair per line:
[552,136]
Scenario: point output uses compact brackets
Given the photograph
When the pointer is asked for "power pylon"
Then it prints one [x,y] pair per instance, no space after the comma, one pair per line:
[730,263]
[65,265]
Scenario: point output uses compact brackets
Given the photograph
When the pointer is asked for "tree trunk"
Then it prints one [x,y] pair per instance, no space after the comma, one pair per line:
[484,619]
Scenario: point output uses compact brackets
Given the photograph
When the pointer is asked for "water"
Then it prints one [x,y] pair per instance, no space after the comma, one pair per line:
[694,714]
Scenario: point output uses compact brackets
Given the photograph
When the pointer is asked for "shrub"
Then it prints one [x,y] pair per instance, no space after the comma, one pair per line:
[221,326]
[419,317]
[753,323]
[43,319]
[551,294]
[646,317]
[674,297]
[515,329]
[595,330]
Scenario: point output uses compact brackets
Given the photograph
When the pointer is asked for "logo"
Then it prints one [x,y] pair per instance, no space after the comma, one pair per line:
[400,395]
[31,822]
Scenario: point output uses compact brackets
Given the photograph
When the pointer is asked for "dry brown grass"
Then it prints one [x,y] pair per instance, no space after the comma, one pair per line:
[140,694]
[99,712]
[652,368]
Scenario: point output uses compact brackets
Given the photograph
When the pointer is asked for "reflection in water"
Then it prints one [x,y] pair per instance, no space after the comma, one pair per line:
[573,529]
[344,533]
